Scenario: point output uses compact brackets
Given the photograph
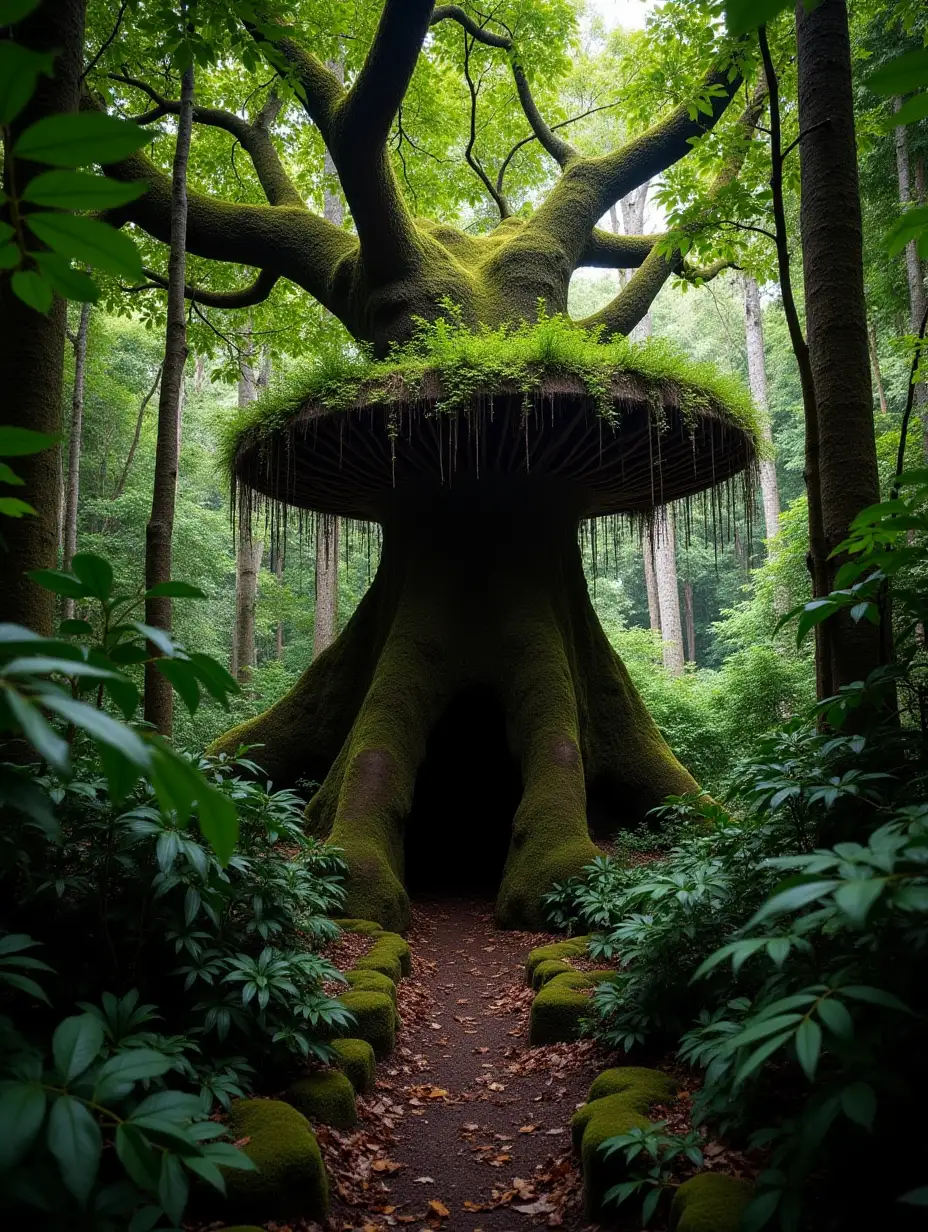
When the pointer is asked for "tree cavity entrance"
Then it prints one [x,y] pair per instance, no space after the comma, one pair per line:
[467,791]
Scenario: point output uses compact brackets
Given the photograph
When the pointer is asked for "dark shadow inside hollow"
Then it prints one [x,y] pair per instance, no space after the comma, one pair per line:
[467,792]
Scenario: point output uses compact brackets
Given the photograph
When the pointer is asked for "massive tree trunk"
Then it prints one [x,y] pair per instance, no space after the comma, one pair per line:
[73,487]
[757,376]
[668,590]
[33,344]
[159,533]
[471,616]
[832,247]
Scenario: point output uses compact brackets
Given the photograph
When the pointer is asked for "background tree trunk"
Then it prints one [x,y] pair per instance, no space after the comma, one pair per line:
[913,265]
[136,436]
[633,208]
[249,552]
[877,371]
[650,579]
[690,622]
[665,554]
[159,699]
[33,344]
[69,530]
[757,376]
[832,248]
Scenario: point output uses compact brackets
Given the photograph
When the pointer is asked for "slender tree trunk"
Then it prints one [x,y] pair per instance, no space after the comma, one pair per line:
[248,557]
[913,267]
[690,622]
[69,535]
[327,529]
[159,700]
[832,247]
[650,580]
[33,343]
[757,376]
[633,208]
[199,374]
[665,554]
[136,436]
[279,574]
[877,371]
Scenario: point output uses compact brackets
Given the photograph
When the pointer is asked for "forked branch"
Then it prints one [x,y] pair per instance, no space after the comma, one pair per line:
[255,293]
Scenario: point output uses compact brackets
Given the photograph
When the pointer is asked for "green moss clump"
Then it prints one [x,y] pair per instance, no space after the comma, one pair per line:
[372,981]
[561,1004]
[608,1116]
[375,1019]
[327,1097]
[355,1058]
[547,970]
[390,955]
[289,1181]
[570,947]
[710,1202]
[652,1083]
[367,928]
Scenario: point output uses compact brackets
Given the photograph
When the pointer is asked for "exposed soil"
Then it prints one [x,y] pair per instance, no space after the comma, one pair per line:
[468,1128]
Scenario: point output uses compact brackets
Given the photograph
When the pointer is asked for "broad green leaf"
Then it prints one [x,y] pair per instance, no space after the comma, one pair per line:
[85,239]
[20,442]
[8,475]
[74,1139]
[182,676]
[834,1014]
[134,1064]
[19,71]
[59,583]
[206,1171]
[22,1113]
[33,290]
[875,996]
[172,1188]
[760,1055]
[175,1105]
[146,1218]
[743,16]
[218,821]
[768,1026]
[10,256]
[901,75]
[76,1044]
[70,283]
[76,628]
[793,899]
[13,507]
[12,11]
[95,572]
[81,190]
[175,590]
[79,138]
[158,637]
[100,726]
[809,1046]
[121,774]
[855,898]
[42,665]
[911,111]
[138,1157]
[858,1102]
[214,676]
[38,732]
[229,1156]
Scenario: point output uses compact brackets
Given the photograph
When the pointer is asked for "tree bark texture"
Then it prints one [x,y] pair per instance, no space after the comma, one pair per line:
[159,533]
[690,622]
[633,208]
[877,370]
[249,552]
[832,246]
[650,579]
[757,377]
[33,344]
[69,530]
[665,557]
[908,195]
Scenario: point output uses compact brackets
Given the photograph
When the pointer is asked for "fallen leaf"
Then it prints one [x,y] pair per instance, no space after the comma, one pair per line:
[438,1208]
[424,1180]
[386,1165]
[527,1129]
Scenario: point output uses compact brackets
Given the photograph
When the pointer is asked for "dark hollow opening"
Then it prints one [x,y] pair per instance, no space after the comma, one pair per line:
[467,791]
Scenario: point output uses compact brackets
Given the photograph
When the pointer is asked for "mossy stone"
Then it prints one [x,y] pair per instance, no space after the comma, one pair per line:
[367,928]
[653,1083]
[606,1117]
[289,1181]
[562,1003]
[371,981]
[327,1097]
[390,955]
[557,951]
[547,970]
[355,1058]
[710,1202]
[375,1019]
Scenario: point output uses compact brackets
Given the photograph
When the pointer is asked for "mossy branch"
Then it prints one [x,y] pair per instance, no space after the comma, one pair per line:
[256,293]
[604,250]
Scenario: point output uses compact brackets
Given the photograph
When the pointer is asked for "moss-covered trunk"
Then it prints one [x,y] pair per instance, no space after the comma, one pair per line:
[471,597]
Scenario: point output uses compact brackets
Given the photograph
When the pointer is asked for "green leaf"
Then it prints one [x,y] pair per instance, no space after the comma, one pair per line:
[916,1197]
[218,821]
[875,996]
[175,1105]
[8,475]
[100,726]
[10,256]
[38,732]
[121,774]
[228,1156]
[172,1188]
[75,1141]
[95,572]
[20,442]
[19,72]
[12,507]
[767,1026]
[834,1014]
[79,138]
[207,1171]
[76,628]
[911,111]
[138,1157]
[855,898]
[214,676]
[59,583]
[793,899]
[743,16]
[42,665]
[809,1046]
[134,1064]
[76,1044]
[12,11]
[85,239]
[760,1055]
[858,1102]
[33,290]
[22,1112]
[81,190]
[182,676]
[175,590]
[70,283]
[901,75]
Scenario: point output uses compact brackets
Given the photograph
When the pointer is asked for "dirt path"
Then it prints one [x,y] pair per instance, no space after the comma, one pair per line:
[468,1126]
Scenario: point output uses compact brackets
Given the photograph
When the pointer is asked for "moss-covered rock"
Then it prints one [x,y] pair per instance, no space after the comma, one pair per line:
[366,928]
[327,1097]
[547,970]
[649,1083]
[371,981]
[289,1181]
[561,1004]
[375,1019]
[710,1202]
[557,951]
[389,954]
[607,1116]
[355,1058]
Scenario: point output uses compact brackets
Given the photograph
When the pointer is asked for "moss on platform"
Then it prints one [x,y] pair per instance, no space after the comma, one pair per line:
[355,1058]
[389,955]
[366,928]
[710,1202]
[570,947]
[650,1083]
[375,1019]
[562,1003]
[609,1116]
[547,970]
[289,1180]
[371,981]
[326,1097]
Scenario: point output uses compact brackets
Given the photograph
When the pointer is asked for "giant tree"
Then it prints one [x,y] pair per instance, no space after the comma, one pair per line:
[478,631]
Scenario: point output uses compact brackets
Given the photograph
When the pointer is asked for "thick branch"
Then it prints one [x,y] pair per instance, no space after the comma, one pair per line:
[607,251]
[256,293]
[454,12]
[634,301]
[255,138]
